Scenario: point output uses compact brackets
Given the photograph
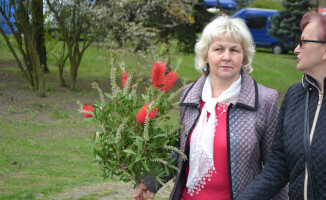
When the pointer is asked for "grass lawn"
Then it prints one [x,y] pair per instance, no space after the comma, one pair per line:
[275,71]
[44,157]
[45,146]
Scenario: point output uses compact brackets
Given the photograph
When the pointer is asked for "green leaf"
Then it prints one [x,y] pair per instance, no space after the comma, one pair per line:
[126,180]
[131,165]
[96,152]
[144,97]
[98,159]
[138,158]
[145,166]
[166,170]
[129,151]
[112,163]
[108,95]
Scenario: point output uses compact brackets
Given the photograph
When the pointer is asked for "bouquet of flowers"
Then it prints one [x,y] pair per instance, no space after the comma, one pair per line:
[133,140]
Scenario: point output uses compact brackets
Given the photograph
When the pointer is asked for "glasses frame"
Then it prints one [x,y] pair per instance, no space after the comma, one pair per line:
[301,41]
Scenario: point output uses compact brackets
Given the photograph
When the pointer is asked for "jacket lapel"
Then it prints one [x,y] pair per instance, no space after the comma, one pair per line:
[192,96]
[191,102]
[249,89]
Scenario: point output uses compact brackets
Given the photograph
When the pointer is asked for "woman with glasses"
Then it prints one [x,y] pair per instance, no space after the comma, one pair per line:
[299,149]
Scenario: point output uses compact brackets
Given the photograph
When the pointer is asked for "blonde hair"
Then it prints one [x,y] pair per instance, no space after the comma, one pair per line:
[234,29]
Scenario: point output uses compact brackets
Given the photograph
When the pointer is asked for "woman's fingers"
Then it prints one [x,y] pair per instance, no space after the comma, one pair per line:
[147,194]
[139,190]
[143,193]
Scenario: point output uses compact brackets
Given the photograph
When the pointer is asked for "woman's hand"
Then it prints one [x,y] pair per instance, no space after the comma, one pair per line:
[142,192]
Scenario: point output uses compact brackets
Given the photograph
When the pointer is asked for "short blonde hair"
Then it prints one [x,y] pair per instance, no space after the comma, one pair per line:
[234,29]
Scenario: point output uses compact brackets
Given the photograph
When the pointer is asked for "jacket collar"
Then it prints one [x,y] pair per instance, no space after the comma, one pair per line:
[248,98]
[192,96]
[249,93]
[308,82]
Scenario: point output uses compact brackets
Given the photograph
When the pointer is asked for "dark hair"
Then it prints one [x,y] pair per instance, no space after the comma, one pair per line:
[319,18]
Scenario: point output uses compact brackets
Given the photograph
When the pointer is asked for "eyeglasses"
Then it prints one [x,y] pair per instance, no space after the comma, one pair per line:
[301,41]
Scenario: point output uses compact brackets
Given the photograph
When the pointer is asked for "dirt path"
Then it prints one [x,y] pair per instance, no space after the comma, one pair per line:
[100,191]
[109,191]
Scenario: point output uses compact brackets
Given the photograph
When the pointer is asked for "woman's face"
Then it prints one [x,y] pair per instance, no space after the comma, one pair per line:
[310,54]
[225,59]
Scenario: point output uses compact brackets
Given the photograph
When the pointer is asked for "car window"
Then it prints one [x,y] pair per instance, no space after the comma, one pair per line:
[256,22]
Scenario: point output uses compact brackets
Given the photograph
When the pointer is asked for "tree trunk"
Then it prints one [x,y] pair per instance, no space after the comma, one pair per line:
[62,80]
[61,64]
[41,88]
[38,31]
[38,69]
[72,83]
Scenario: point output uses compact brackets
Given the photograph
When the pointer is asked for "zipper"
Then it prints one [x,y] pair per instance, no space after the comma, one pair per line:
[182,169]
[320,100]
[229,151]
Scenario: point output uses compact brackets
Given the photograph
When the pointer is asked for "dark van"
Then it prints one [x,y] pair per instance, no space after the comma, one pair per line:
[258,21]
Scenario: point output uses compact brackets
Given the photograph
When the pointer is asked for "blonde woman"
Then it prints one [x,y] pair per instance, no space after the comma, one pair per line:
[229,119]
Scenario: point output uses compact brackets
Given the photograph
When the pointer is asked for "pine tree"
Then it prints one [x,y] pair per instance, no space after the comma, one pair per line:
[287,24]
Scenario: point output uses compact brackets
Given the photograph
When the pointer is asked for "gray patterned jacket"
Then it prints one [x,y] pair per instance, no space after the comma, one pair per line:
[251,125]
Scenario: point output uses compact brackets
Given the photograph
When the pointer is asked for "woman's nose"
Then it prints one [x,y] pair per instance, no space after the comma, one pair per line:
[227,55]
[296,50]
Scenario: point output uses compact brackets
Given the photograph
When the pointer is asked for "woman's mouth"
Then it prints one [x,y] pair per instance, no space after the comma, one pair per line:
[226,67]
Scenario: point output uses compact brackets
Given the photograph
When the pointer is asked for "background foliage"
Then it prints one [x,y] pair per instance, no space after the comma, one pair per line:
[287,24]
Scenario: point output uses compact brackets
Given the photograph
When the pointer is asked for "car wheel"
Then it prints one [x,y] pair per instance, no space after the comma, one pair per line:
[277,49]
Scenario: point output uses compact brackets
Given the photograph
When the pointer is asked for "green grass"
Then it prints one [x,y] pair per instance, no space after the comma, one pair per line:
[275,71]
[5,54]
[39,158]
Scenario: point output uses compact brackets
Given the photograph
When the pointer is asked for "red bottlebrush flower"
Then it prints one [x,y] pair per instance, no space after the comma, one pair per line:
[124,78]
[158,73]
[88,108]
[141,115]
[169,80]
